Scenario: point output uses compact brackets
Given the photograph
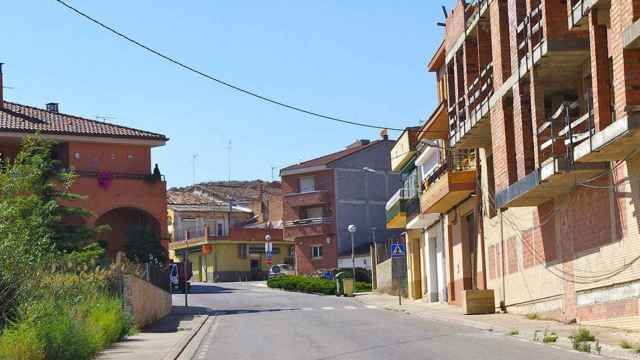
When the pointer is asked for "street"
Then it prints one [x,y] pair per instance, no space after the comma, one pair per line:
[253,321]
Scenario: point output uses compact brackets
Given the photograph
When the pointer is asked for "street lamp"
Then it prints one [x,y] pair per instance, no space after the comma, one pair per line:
[268,248]
[352,229]
[368,169]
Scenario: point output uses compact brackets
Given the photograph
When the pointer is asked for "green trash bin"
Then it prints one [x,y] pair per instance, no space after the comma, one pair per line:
[344,284]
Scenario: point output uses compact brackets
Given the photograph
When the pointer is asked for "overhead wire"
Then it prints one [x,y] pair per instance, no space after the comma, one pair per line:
[217,80]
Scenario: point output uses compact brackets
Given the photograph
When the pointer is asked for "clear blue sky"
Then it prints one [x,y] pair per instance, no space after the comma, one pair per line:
[360,60]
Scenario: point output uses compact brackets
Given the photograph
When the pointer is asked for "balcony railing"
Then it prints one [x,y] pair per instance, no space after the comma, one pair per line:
[558,136]
[454,160]
[530,35]
[309,221]
[400,194]
[307,198]
[481,89]
[117,175]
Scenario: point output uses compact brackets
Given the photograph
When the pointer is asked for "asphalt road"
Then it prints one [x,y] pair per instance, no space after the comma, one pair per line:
[254,322]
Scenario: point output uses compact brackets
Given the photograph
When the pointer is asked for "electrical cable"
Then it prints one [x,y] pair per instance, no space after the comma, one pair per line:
[219,81]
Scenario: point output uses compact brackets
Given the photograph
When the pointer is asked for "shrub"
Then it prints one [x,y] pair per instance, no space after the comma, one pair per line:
[625,344]
[533,316]
[581,340]
[513,332]
[550,338]
[22,342]
[303,284]
[362,286]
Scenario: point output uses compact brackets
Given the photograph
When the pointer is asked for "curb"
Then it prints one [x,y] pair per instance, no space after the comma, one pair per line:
[182,344]
[564,343]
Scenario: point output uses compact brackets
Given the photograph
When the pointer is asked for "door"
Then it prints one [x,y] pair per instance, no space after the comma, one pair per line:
[440,269]
[255,269]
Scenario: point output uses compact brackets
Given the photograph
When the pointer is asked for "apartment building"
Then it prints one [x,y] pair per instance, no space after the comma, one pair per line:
[322,196]
[112,164]
[545,94]
[223,241]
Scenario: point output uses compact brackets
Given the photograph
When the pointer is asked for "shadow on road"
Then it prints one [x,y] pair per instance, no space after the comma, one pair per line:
[227,312]
[210,289]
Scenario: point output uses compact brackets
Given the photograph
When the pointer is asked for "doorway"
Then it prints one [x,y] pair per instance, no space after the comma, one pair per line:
[255,269]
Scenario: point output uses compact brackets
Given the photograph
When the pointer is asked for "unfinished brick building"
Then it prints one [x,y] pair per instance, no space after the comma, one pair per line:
[547,93]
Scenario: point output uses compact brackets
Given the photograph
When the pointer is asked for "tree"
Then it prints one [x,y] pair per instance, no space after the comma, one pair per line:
[142,245]
[33,230]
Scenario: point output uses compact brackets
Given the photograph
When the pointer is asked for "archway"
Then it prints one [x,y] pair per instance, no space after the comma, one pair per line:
[120,221]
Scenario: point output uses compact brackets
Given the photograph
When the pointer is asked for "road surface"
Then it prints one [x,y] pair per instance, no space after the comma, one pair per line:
[253,322]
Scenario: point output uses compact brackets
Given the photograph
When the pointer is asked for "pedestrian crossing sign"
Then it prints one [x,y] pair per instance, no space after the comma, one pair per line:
[397,250]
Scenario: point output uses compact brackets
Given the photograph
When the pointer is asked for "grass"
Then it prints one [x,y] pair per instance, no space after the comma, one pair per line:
[550,338]
[533,316]
[625,344]
[513,332]
[74,317]
[582,339]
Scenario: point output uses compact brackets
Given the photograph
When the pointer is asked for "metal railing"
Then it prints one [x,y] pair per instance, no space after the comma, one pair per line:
[119,175]
[309,221]
[564,130]
[454,160]
[530,33]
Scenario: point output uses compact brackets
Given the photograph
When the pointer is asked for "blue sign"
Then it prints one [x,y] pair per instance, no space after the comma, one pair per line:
[398,250]
[328,275]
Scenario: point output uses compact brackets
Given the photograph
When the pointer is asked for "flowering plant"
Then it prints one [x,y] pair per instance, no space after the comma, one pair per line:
[105,178]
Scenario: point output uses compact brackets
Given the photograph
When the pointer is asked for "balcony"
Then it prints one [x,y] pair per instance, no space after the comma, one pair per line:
[558,173]
[579,16]
[318,197]
[558,58]
[396,210]
[404,148]
[205,234]
[451,181]
[613,143]
[631,36]
[469,127]
[321,226]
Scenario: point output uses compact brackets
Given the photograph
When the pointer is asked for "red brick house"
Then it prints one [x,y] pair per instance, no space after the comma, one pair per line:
[322,196]
[113,164]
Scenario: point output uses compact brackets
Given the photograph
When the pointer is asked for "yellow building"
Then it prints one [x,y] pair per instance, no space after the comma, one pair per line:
[221,240]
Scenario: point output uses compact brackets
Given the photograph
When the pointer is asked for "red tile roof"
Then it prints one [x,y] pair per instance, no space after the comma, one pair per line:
[327,159]
[22,118]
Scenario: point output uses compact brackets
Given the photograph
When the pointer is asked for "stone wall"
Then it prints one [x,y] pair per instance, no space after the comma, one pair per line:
[144,301]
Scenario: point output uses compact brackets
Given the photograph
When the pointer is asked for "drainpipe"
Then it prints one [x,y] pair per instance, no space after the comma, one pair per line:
[445,261]
[503,303]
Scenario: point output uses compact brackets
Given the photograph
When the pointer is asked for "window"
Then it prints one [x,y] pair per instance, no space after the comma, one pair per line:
[242,251]
[307,184]
[313,213]
[220,229]
[316,251]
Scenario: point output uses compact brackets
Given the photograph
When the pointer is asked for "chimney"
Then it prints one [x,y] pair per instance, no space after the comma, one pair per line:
[1,88]
[52,107]
[384,134]
[358,143]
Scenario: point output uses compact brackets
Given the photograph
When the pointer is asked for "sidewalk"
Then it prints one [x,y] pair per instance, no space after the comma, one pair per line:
[509,324]
[164,339]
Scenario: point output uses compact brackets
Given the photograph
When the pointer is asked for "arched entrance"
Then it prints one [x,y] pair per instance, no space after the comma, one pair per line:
[121,221]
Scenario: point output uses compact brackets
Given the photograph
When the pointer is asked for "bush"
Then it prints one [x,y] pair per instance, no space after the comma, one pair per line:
[362,286]
[73,317]
[303,284]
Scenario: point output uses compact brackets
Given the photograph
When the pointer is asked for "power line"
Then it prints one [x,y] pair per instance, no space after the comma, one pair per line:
[213,78]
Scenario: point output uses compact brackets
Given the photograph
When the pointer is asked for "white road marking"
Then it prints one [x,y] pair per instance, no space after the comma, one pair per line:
[371,307]
[307,308]
[350,307]
[328,308]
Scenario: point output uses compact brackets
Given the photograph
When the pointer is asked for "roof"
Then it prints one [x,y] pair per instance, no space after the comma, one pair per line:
[328,159]
[238,190]
[196,201]
[438,59]
[22,118]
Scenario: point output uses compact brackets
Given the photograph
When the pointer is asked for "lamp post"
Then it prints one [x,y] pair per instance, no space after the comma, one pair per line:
[352,229]
[268,248]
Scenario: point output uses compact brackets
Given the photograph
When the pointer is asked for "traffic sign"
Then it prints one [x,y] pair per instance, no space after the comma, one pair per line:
[398,250]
